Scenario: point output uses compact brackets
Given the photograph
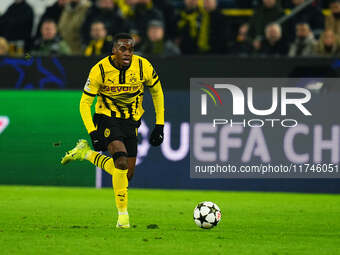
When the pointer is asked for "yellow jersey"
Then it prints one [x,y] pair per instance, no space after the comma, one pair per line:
[120,91]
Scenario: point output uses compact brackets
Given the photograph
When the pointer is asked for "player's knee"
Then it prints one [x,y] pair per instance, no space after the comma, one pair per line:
[121,162]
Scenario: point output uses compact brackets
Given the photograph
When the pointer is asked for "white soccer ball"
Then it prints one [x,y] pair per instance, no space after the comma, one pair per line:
[207,215]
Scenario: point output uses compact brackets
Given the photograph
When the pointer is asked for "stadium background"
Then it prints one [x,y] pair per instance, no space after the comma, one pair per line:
[47,208]
[40,96]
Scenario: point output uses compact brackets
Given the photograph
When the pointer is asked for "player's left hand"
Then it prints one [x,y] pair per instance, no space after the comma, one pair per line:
[156,137]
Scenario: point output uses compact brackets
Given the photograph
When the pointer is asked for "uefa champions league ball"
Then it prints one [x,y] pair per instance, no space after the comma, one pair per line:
[207,215]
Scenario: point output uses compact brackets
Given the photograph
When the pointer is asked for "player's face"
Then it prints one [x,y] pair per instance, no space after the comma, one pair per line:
[123,51]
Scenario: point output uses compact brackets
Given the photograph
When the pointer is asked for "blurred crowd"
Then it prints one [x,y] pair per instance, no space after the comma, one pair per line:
[169,28]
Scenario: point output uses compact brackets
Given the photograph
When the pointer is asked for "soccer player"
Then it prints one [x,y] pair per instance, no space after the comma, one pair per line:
[118,81]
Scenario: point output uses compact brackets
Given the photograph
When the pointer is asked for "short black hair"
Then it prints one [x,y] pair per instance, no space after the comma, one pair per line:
[120,36]
[98,21]
[302,22]
[48,20]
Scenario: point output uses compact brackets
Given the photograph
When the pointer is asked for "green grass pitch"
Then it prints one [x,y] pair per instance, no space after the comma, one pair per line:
[48,220]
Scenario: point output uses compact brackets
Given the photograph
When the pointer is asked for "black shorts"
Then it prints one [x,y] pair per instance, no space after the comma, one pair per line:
[111,129]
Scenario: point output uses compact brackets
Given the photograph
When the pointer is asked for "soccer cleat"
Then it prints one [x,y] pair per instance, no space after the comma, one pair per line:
[123,221]
[77,153]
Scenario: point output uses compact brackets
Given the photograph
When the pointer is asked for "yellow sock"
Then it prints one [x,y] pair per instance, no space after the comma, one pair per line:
[120,187]
[101,161]
[119,178]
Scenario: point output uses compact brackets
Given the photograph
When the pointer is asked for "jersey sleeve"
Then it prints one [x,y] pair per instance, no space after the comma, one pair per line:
[152,81]
[91,89]
[151,77]
[93,82]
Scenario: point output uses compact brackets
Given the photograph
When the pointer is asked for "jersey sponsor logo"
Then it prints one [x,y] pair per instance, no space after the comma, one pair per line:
[87,85]
[107,132]
[118,89]
[4,122]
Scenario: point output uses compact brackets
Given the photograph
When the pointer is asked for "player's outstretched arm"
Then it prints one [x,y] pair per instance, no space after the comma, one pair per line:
[85,112]
[156,137]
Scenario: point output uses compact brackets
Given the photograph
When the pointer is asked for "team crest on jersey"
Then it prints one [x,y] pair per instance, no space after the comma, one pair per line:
[132,78]
[106,132]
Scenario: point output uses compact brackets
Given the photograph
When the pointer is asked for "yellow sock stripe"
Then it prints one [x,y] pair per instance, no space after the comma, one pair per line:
[94,161]
[104,162]
[100,161]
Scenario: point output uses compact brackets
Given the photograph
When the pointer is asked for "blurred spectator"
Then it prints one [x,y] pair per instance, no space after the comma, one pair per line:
[169,14]
[106,12]
[50,43]
[328,45]
[100,42]
[52,12]
[274,44]
[141,12]
[213,39]
[70,23]
[125,6]
[156,44]
[189,27]
[3,47]
[304,42]
[269,12]
[248,4]
[311,14]
[332,21]
[242,45]
[17,22]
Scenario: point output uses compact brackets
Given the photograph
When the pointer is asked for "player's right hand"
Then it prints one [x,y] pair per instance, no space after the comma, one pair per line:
[95,140]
